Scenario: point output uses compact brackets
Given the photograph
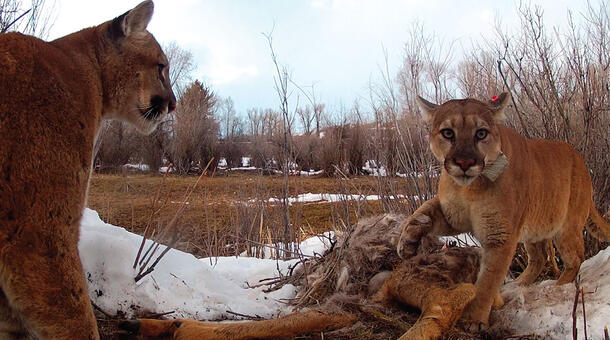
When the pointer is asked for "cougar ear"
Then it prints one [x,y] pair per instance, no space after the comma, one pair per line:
[426,108]
[498,105]
[133,21]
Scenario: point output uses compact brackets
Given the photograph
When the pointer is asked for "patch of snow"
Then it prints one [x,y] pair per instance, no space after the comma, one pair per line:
[163,169]
[317,245]
[139,166]
[545,308]
[222,163]
[462,240]
[244,168]
[245,161]
[313,246]
[374,169]
[193,288]
[311,173]
[329,198]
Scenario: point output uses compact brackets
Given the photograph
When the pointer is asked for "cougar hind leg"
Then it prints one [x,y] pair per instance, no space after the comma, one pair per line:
[11,326]
[535,262]
[572,252]
[571,245]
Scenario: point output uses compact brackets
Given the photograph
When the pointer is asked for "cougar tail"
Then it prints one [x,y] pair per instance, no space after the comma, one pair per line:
[598,225]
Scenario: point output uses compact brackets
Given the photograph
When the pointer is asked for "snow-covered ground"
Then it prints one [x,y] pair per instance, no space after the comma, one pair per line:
[211,288]
[193,288]
[545,309]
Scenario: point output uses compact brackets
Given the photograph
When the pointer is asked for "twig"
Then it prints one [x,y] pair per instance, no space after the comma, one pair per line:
[157,315]
[275,280]
[250,317]
[101,310]
[521,336]
[14,21]
[574,330]
[145,235]
[142,273]
[584,314]
[152,267]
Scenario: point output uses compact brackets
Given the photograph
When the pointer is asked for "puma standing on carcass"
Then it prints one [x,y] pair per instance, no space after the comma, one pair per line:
[53,96]
[505,189]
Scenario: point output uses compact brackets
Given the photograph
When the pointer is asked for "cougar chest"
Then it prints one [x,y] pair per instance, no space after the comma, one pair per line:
[457,211]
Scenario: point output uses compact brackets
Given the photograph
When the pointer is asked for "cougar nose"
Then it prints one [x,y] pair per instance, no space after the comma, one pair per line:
[171,106]
[464,164]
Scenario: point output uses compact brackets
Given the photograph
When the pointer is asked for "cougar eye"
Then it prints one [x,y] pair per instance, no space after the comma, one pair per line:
[447,133]
[161,68]
[481,134]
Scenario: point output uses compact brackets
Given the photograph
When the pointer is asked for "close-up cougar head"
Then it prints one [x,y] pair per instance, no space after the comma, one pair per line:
[464,136]
[134,59]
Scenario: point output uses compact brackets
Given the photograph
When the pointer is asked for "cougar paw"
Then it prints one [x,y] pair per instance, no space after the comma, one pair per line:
[416,227]
[406,250]
[474,321]
[473,326]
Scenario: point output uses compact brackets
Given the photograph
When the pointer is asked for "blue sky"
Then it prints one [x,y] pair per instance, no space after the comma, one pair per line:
[337,45]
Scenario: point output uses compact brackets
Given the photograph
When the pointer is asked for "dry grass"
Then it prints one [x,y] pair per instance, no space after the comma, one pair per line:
[224,208]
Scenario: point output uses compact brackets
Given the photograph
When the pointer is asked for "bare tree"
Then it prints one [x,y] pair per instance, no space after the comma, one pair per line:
[34,17]
[306,117]
[229,120]
[181,66]
[282,81]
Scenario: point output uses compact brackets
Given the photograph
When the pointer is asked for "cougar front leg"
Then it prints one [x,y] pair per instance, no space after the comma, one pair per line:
[46,288]
[498,250]
[427,219]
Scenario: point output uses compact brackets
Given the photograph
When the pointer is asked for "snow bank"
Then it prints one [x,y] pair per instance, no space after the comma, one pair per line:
[545,309]
[193,288]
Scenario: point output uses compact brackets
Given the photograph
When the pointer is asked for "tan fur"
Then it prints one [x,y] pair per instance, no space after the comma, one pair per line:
[439,284]
[53,96]
[291,325]
[544,192]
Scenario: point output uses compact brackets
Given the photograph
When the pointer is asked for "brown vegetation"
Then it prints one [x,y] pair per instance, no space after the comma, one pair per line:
[229,209]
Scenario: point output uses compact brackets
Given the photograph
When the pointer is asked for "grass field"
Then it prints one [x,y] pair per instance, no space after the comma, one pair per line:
[228,211]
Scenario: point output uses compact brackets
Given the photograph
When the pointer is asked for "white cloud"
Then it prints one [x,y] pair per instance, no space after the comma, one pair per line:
[222,73]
